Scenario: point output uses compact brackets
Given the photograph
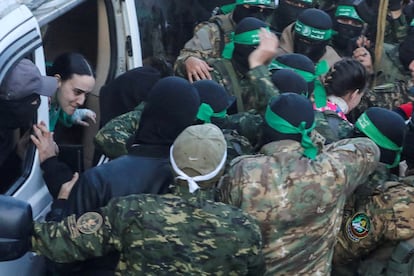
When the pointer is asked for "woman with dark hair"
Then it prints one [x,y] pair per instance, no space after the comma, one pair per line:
[342,90]
[75,79]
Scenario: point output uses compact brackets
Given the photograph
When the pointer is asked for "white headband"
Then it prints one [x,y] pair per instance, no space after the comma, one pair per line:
[192,184]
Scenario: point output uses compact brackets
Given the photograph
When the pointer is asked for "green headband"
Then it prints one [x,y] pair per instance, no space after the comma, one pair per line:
[365,125]
[205,112]
[230,7]
[348,12]
[246,38]
[308,76]
[319,92]
[311,32]
[279,124]
[412,23]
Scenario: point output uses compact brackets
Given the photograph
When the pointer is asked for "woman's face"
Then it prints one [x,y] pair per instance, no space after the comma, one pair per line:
[72,92]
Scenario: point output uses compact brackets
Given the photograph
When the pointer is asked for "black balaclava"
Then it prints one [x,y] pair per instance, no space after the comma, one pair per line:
[214,95]
[286,80]
[287,106]
[18,113]
[127,91]
[241,52]
[406,50]
[309,46]
[240,12]
[287,13]
[389,124]
[300,62]
[172,105]
[346,35]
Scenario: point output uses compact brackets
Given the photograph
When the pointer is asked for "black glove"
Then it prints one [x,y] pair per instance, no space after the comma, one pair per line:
[15,229]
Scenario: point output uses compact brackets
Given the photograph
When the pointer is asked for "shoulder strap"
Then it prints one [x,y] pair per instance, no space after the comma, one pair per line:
[225,27]
[235,84]
[402,261]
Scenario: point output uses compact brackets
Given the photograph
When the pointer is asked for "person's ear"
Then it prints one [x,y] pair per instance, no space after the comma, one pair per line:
[59,79]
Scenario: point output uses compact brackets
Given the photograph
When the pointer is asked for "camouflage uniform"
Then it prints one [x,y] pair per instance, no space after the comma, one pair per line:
[159,235]
[395,30]
[208,41]
[112,138]
[254,89]
[331,126]
[377,215]
[391,84]
[298,201]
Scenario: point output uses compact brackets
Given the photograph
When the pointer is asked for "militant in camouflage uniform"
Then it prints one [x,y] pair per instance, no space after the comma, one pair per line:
[181,234]
[392,83]
[211,36]
[298,200]
[378,215]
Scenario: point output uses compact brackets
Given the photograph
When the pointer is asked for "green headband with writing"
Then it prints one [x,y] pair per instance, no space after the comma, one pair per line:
[281,125]
[365,125]
[230,7]
[348,12]
[205,112]
[246,38]
[311,32]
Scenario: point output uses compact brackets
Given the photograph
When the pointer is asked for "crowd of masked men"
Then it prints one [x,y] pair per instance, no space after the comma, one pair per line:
[282,144]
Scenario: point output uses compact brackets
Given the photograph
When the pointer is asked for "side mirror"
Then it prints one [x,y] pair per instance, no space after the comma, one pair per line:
[16,226]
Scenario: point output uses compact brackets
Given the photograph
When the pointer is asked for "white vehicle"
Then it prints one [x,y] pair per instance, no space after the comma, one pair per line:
[107,33]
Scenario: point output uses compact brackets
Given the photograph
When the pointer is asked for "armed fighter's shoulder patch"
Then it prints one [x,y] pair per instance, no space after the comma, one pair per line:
[358,227]
[89,222]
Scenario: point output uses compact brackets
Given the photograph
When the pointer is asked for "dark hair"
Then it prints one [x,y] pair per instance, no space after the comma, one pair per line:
[346,76]
[68,64]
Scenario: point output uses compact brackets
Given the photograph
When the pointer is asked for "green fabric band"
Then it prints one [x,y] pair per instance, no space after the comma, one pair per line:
[312,33]
[205,112]
[348,12]
[246,38]
[308,76]
[319,91]
[225,9]
[365,125]
[279,124]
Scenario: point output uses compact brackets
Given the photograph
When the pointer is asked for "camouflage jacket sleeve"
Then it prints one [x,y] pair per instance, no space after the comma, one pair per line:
[112,138]
[396,30]
[204,44]
[389,217]
[263,87]
[75,238]
[357,158]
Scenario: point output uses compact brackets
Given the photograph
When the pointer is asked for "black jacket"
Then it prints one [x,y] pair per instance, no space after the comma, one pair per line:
[145,169]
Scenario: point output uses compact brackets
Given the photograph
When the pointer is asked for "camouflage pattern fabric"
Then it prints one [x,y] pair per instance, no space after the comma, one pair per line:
[387,215]
[246,124]
[158,235]
[207,41]
[332,127]
[112,138]
[256,87]
[297,201]
[395,30]
[237,145]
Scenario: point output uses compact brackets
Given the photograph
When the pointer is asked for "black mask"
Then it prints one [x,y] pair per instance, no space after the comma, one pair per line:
[287,14]
[346,36]
[19,113]
[240,57]
[314,50]
[241,12]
